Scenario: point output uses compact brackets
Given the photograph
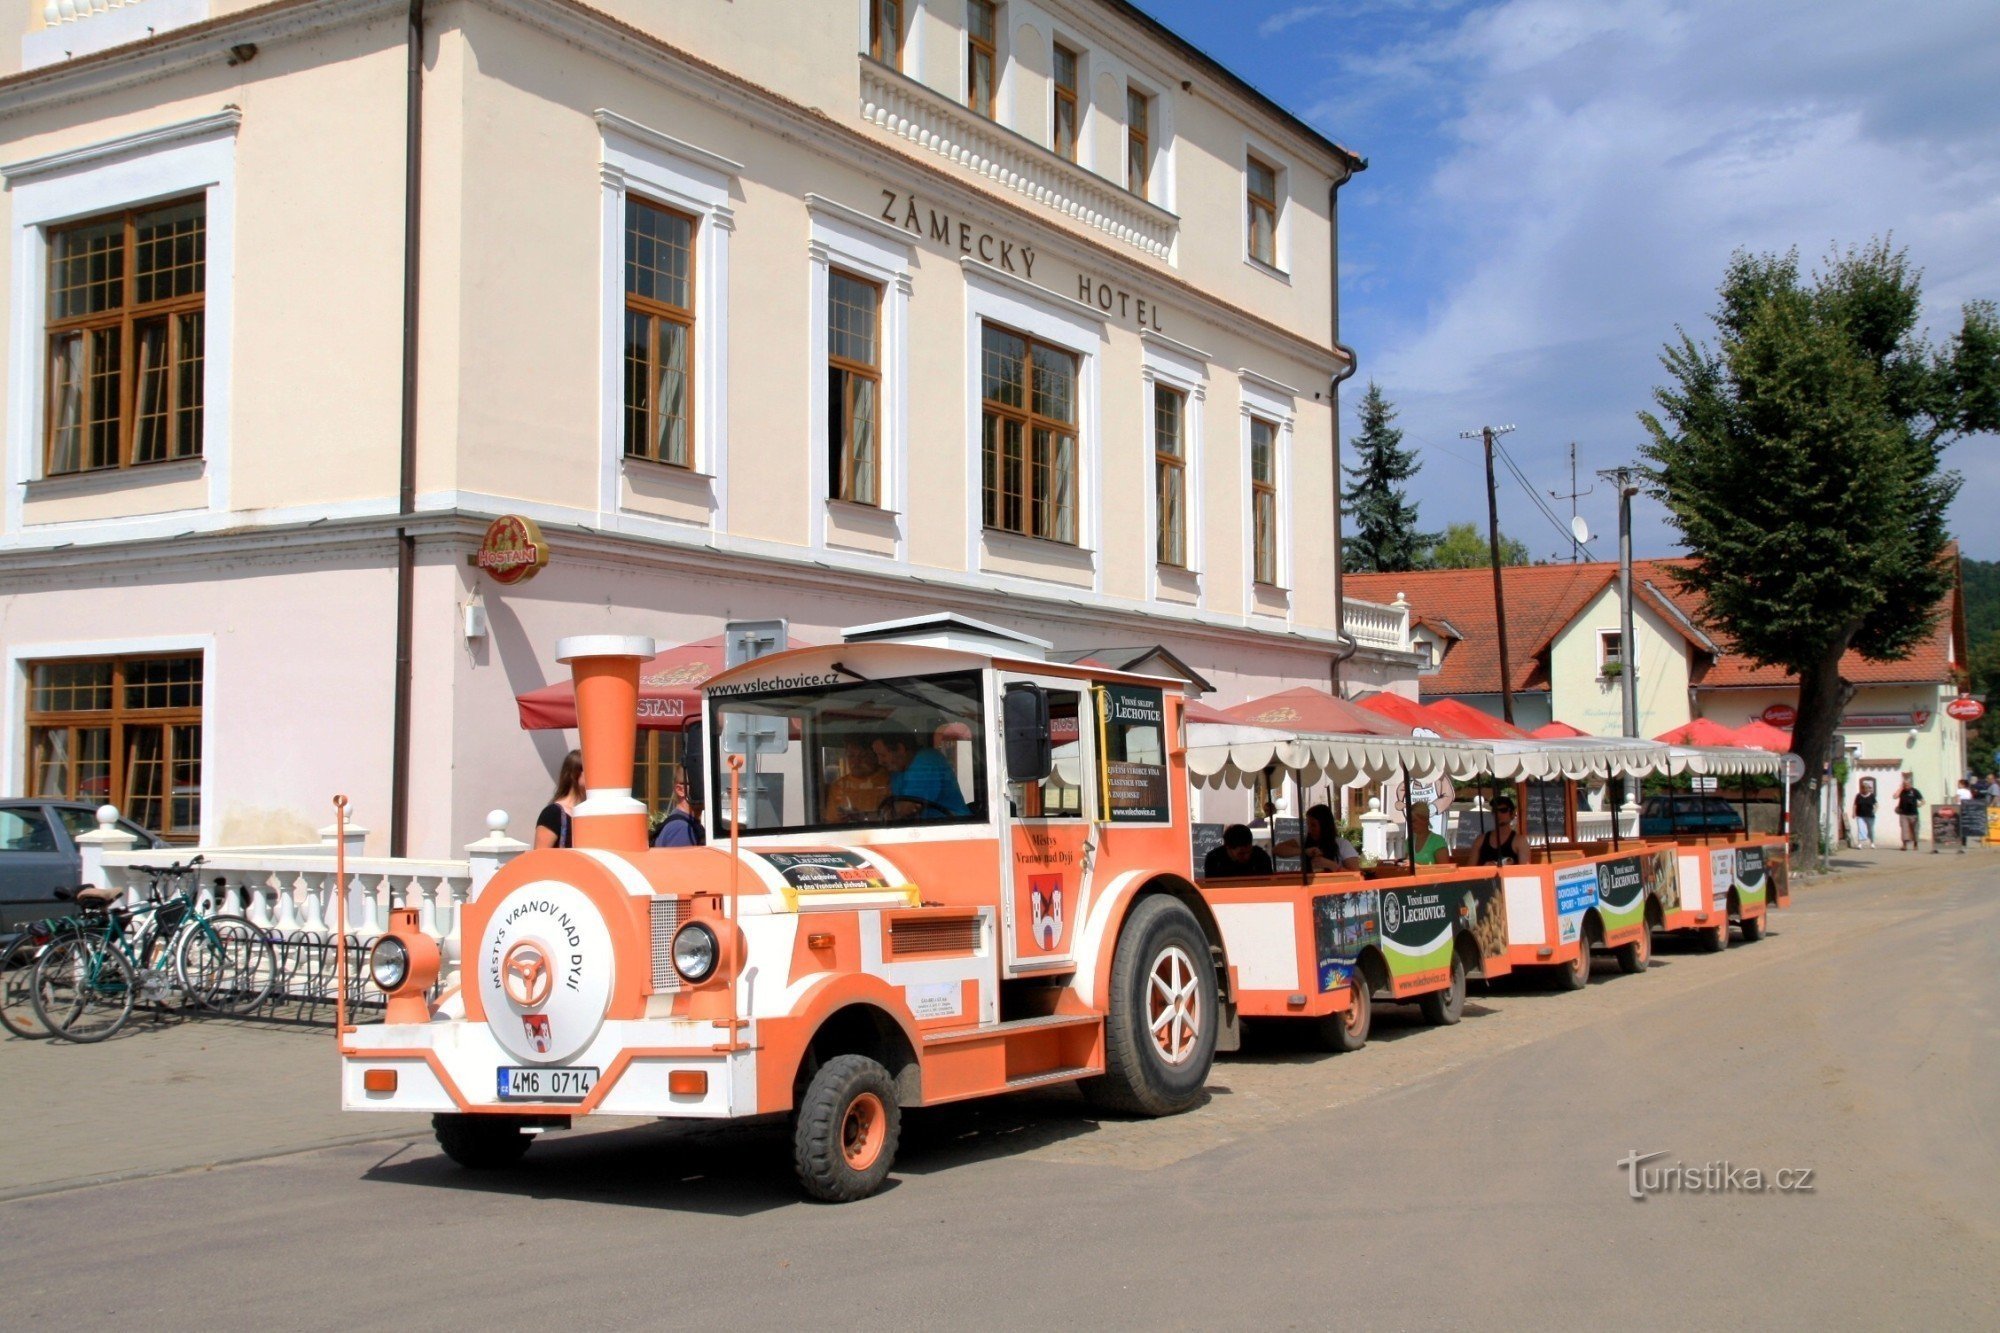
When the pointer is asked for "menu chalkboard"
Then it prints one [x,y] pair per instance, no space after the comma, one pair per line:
[1944,827]
[1973,819]
[1547,820]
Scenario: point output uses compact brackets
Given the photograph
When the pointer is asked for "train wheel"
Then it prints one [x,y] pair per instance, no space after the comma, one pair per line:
[1159,1038]
[481,1142]
[1753,929]
[845,1133]
[1638,955]
[1447,1006]
[1348,1030]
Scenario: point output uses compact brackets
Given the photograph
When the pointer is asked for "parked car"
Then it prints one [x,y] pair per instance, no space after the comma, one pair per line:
[38,855]
[1664,816]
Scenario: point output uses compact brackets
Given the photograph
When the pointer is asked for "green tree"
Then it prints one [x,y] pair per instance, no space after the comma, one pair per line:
[1800,460]
[1464,546]
[1982,745]
[1384,537]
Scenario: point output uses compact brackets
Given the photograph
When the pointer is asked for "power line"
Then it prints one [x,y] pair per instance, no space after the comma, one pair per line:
[1535,495]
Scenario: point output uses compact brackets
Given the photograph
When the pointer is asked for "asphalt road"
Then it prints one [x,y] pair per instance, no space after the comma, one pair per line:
[1440,1177]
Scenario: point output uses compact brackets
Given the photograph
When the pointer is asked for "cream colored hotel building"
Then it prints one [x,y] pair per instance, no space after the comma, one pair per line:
[832,310]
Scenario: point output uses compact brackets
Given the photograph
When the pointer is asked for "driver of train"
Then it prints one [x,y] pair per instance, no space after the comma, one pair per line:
[921,785]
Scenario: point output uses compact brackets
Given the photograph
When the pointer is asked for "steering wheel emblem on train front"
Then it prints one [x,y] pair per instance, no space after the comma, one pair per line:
[526,975]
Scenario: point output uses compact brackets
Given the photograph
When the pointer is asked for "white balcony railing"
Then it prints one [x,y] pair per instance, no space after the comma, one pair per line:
[932,121]
[294,893]
[1373,625]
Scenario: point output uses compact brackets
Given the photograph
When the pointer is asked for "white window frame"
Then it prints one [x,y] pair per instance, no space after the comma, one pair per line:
[1159,188]
[1278,403]
[172,161]
[846,238]
[1604,636]
[992,297]
[1281,231]
[1183,368]
[658,167]
[21,657]
[1086,100]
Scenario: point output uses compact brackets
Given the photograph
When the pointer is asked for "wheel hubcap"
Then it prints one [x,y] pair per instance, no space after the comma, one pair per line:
[862,1130]
[1173,1005]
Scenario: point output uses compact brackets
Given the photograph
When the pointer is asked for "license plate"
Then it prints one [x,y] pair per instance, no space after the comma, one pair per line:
[545,1085]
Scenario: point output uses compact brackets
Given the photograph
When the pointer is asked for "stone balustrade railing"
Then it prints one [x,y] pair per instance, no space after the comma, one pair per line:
[1373,625]
[932,121]
[296,893]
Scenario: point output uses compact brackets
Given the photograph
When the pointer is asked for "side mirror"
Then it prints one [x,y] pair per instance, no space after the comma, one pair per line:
[1025,717]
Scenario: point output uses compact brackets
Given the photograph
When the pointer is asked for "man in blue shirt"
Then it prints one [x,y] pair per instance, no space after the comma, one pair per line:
[921,785]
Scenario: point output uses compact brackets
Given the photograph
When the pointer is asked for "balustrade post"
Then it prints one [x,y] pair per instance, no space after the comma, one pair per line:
[106,837]
[1376,828]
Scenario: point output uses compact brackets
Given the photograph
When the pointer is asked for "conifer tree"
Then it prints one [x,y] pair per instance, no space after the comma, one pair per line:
[1382,536]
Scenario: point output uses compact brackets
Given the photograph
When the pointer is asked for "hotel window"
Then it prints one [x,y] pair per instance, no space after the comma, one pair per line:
[1138,141]
[1062,136]
[982,27]
[125,335]
[1170,473]
[1261,190]
[659,332]
[121,730]
[1264,499]
[656,763]
[1028,436]
[885,31]
[854,388]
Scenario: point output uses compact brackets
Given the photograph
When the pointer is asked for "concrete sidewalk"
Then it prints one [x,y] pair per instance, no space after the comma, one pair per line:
[169,1095]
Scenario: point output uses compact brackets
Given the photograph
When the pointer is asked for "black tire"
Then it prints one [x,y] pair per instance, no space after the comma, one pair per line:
[1142,1076]
[82,989]
[1444,1007]
[1715,938]
[17,990]
[1752,928]
[1347,1031]
[1637,956]
[1575,974]
[845,1132]
[226,965]
[481,1142]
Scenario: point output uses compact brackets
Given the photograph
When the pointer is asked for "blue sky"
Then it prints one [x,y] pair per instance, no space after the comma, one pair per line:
[1555,184]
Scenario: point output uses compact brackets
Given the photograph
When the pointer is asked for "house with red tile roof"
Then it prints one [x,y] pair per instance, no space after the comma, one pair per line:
[1567,661]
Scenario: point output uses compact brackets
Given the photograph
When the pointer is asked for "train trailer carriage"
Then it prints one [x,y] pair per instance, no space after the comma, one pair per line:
[940,867]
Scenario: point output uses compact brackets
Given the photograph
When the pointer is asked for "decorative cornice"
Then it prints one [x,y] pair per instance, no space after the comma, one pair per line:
[216,125]
[1268,384]
[613,123]
[820,206]
[1034,291]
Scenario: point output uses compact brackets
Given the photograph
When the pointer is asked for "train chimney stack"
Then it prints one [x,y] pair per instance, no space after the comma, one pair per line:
[605,669]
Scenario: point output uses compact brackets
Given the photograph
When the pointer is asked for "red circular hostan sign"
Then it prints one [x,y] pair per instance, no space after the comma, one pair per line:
[1965,709]
[1780,715]
[513,550]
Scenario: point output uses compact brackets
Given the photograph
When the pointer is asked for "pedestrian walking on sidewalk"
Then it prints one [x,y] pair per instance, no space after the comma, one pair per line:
[1864,814]
[1909,803]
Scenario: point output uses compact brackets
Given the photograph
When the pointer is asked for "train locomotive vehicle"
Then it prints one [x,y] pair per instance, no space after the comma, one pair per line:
[1017,910]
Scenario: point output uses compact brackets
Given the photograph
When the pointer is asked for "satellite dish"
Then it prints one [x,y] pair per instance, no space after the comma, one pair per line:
[1579,530]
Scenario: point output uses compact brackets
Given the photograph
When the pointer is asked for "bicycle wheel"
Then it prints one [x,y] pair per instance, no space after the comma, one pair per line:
[226,964]
[83,989]
[17,988]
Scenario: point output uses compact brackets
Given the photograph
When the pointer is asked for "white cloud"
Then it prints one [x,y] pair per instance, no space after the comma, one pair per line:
[1287,18]
[1601,162]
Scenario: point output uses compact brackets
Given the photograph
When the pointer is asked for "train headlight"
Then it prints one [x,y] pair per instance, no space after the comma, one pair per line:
[389,963]
[695,952]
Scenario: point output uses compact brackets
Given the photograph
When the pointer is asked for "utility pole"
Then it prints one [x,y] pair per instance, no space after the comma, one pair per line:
[1487,434]
[1575,546]
[1628,655]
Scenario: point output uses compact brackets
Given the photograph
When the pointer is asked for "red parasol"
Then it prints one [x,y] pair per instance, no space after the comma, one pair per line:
[1310,710]
[669,691]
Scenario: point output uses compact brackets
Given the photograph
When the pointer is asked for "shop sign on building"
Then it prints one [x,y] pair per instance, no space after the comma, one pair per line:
[512,550]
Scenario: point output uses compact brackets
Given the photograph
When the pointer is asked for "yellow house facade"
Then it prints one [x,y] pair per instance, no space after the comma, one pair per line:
[833,312]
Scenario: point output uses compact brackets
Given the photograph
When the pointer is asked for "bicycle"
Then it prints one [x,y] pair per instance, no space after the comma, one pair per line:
[85,985]
[17,972]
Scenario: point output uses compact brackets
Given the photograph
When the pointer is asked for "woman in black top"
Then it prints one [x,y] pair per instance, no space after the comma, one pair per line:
[1503,844]
[1322,842]
[552,825]
[1864,814]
